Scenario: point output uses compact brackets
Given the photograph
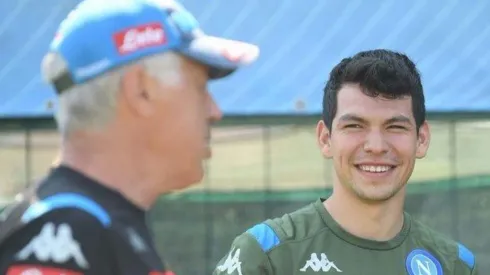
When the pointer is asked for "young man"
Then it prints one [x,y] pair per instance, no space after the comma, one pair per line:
[373,128]
[134,114]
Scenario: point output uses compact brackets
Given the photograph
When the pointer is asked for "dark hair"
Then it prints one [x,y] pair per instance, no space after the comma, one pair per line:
[379,72]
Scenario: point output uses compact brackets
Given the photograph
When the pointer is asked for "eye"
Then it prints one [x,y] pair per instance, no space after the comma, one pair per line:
[352,126]
[398,127]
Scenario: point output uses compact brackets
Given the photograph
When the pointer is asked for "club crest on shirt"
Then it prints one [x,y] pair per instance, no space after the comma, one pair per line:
[421,262]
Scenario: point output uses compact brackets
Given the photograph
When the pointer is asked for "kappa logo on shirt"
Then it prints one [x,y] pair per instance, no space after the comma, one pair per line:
[232,263]
[54,245]
[322,264]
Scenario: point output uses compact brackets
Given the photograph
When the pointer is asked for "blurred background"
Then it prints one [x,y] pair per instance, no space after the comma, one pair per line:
[266,162]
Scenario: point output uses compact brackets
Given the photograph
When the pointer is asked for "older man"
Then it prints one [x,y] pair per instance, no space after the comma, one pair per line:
[134,114]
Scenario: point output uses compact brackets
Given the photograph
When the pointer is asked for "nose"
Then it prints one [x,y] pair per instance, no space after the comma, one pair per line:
[375,143]
[215,113]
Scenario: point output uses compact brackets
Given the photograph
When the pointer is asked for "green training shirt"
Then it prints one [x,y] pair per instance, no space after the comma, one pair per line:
[308,241]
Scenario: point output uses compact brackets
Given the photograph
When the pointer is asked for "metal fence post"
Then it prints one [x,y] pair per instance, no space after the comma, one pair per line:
[209,220]
[28,157]
[266,141]
[453,157]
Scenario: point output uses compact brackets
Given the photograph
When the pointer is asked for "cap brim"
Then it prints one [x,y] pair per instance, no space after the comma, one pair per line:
[223,56]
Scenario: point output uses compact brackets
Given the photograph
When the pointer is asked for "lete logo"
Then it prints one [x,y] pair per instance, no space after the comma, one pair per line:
[140,37]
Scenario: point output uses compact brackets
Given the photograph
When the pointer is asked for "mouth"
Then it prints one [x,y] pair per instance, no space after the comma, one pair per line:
[375,170]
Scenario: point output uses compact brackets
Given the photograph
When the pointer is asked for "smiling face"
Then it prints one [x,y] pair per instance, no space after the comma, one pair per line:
[373,142]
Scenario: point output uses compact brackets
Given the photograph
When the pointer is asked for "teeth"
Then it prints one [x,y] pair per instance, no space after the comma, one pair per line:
[374,169]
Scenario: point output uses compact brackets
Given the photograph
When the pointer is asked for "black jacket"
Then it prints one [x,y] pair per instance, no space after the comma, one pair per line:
[70,224]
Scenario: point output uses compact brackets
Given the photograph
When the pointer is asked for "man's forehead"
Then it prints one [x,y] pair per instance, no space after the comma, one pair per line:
[353,102]
[195,69]
[351,96]
[354,92]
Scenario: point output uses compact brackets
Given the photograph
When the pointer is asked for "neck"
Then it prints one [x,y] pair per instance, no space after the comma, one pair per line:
[380,221]
[113,165]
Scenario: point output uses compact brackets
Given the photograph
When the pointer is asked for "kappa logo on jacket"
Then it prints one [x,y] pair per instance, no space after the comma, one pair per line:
[322,264]
[54,245]
[232,263]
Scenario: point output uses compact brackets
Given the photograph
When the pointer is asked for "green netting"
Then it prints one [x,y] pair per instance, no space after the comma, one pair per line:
[194,232]
[269,171]
[262,171]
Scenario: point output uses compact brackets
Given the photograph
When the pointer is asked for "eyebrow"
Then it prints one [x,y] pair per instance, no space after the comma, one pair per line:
[352,117]
[399,119]
[395,119]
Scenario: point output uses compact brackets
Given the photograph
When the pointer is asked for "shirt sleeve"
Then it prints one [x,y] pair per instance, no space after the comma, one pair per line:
[245,257]
[467,263]
[64,241]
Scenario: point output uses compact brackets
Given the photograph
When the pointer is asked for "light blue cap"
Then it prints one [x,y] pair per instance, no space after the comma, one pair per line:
[99,35]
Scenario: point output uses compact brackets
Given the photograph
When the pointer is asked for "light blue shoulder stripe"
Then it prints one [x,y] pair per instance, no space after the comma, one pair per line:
[466,255]
[67,200]
[265,236]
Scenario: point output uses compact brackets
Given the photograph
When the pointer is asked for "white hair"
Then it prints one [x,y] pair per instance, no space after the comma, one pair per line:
[92,105]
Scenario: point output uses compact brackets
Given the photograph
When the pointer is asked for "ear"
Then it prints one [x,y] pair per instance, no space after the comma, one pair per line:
[423,140]
[135,91]
[323,139]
